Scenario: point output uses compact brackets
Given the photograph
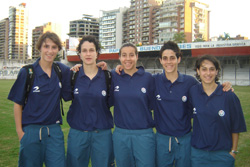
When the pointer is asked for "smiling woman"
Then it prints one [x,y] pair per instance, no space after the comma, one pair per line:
[132,95]
[208,72]
[217,118]
[128,58]
[49,45]
[40,113]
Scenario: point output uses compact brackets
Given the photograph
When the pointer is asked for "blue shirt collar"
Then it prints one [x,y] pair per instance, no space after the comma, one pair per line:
[140,71]
[179,79]
[38,68]
[82,73]
[218,91]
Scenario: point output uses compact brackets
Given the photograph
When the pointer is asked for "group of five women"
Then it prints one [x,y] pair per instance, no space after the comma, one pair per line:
[134,93]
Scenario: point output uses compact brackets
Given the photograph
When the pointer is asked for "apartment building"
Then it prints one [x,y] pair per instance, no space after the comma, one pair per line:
[18,32]
[200,20]
[140,23]
[88,25]
[4,37]
[188,16]
[110,30]
[38,31]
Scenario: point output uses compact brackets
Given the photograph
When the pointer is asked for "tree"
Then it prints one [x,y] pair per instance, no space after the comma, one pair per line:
[179,37]
[226,37]
[199,40]
[58,57]
[139,44]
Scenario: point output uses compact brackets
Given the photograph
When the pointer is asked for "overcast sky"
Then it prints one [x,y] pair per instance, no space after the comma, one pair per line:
[228,16]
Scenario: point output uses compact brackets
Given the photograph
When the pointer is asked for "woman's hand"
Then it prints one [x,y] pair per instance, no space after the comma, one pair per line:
[233,154]
[20,135]
[118,69]
[76,67]
[227,86]
[103,65]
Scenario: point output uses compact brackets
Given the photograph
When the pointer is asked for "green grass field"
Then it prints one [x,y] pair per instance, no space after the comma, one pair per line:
[9,144]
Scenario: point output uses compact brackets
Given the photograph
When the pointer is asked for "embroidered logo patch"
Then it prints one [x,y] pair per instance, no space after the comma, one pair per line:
[184,98]
[221,113]
[104,93]
[143,90]
[30,71]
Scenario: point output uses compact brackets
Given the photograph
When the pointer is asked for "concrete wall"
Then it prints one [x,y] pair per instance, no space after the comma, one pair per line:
[9,69]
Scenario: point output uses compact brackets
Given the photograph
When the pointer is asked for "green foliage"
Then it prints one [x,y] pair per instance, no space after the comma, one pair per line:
[58,57]
[102,47]
[9,144]
[226,37]
[179,37]
[199,40]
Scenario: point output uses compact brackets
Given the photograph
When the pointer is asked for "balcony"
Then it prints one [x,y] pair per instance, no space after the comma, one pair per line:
[145,15]
[145,34]
[145,25]
[145,29]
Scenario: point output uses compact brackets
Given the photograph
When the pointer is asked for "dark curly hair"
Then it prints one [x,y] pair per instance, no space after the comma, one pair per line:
[211,59]
[90,39]
[172,46]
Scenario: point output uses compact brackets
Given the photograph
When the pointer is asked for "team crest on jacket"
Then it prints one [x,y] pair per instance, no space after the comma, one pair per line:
[221,113]
[184,98]
[143,90]
[104,93]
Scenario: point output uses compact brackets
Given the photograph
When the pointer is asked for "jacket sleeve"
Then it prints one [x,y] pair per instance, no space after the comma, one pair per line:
[17,92]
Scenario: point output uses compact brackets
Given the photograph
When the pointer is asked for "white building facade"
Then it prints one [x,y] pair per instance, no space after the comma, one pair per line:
[110,29]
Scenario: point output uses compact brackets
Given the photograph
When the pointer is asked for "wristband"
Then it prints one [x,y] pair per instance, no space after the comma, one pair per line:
[235,152]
